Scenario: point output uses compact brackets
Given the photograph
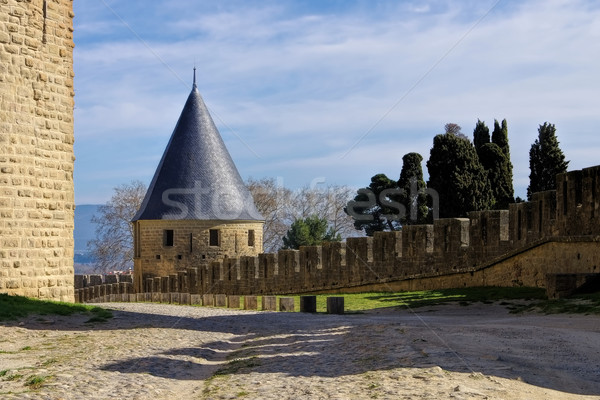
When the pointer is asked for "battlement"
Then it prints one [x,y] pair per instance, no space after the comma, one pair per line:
[451,252]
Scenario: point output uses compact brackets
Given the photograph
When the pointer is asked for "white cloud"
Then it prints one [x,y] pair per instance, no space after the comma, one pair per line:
[300,88]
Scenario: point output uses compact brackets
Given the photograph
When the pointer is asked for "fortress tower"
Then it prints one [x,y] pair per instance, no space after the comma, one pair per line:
[197,208]
[36,148]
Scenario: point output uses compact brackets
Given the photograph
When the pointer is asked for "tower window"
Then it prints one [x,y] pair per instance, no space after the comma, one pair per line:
[213,237]
[251,238]
[168,237]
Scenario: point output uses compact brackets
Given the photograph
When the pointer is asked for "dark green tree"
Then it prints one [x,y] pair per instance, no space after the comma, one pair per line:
[413,187]
[458,177]
[310,231]
[546,160]
[499,171]
[377,207]
[495,159]
[500,137]
[481,135]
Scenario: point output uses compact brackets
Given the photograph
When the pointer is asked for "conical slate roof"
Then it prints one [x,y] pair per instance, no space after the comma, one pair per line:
[196,178]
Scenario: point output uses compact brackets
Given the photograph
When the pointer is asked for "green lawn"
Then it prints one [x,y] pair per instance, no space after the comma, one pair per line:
[14,307]
[516,299]
[357,302]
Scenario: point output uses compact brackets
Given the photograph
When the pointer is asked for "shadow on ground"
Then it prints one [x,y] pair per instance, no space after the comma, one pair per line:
[297,344]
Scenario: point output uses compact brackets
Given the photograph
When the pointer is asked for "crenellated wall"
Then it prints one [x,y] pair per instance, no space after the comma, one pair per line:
[557,232]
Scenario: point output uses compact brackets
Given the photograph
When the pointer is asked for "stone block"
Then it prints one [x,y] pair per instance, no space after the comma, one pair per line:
[308,304]
[233,301]
[286,304]
[335,305]
[165,298]
[208,300]
[250,303]
[94,280]
[196,299]
[220,300]
[269,303]
[78,280]
[175,298]
[184,298]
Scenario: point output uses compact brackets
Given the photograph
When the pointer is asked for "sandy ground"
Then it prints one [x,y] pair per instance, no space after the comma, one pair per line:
[178,352]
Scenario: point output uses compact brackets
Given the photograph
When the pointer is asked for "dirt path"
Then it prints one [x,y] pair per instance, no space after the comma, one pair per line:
[169,352]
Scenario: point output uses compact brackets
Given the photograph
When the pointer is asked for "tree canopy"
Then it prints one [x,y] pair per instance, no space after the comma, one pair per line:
[494,156]
[112,249]
[377,207]
[458,177]
[546,160]
[412,185]
[281,207]
[481,135]
[309,231]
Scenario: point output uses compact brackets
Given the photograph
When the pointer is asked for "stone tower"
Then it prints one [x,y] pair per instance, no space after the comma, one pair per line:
[197,208]
[36,148]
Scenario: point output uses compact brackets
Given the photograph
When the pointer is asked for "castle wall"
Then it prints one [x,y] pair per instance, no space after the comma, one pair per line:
[36,148]
[515,247]
[158,252]
[577,202]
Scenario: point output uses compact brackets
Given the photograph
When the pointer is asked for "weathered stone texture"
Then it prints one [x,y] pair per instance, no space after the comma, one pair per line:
[36,148]
[557,232]
[190,246]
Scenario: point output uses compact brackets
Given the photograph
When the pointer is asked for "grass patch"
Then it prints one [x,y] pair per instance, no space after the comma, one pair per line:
[36,381]
[15,307]
[48,362]
[234,366]
[579,304]
[358,302]
[13,377]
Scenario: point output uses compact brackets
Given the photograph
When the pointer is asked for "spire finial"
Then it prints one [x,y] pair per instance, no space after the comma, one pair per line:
[194,76]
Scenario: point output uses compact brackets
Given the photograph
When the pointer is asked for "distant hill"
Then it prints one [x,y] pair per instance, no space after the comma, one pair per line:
[85,229]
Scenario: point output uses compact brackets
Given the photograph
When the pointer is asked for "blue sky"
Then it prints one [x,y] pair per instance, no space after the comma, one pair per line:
[332,91]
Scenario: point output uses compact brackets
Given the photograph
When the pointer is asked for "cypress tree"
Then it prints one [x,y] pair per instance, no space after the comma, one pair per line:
[500,136]
[481,135]
[501,179]
[412,183]
[546,160]
[499,171]
[457,175]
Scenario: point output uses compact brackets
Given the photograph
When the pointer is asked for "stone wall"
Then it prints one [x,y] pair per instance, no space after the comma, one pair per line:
[164,247]
[36,148]
[522,246]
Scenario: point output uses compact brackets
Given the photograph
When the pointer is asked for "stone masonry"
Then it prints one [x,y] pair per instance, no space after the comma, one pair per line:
[36,148]
[190,244]
[551,241]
